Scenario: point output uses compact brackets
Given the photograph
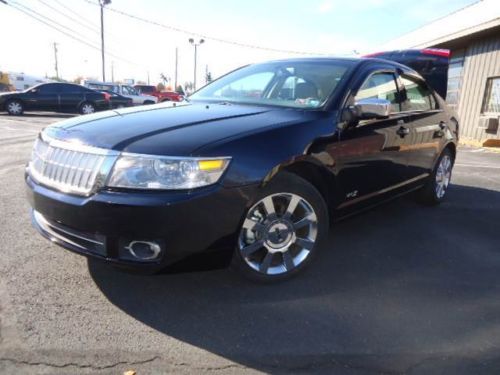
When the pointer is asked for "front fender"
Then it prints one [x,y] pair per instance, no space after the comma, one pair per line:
[259,156]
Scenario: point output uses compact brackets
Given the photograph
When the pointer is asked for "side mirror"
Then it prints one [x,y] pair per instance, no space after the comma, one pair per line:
[371,108]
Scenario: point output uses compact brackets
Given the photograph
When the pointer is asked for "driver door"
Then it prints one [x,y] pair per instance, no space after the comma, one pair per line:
[370,156]
[44,97]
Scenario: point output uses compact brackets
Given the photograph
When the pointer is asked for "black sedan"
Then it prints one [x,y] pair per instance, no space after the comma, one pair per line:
[117,100]
[259,162]
[54,97]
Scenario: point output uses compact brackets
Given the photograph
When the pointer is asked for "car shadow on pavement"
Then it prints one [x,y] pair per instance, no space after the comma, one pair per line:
[401,288]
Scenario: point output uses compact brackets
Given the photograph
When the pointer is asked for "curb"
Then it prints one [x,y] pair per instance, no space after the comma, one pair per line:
[492,145]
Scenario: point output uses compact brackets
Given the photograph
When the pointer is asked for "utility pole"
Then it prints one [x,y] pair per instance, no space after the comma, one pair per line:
[195,44]
[112,71]
[176,64]
[55,55]
[148,77]
[103,3]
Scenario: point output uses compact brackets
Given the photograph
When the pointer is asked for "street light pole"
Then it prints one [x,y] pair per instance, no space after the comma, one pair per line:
[103,3]
[195,44]
[55,56]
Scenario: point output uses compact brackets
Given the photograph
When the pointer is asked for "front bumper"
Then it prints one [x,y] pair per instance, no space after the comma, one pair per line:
[101,225]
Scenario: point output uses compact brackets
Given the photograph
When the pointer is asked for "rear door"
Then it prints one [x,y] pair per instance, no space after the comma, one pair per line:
[71,97]
[370,157]
[427,125]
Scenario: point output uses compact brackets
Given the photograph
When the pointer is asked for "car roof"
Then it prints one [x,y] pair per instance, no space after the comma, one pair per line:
[357,61]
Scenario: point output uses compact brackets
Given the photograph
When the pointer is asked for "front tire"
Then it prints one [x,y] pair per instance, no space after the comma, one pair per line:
[282,232]
[434,191]
[14,107]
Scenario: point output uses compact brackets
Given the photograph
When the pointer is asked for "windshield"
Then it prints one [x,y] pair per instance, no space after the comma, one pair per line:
[294,84]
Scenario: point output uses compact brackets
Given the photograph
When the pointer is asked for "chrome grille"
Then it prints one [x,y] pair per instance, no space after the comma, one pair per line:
[69,167]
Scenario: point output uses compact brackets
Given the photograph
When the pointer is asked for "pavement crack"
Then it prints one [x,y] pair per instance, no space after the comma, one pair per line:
[77,365]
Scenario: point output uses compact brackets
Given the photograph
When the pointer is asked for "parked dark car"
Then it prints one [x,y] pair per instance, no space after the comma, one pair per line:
[431,63]
[54,97]
[117,100]
[259,161]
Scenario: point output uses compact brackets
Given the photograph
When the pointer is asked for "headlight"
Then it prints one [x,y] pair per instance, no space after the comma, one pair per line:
[169,173]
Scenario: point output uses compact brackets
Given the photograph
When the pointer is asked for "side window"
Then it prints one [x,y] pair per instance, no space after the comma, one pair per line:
[127,90]
[49,89]
[380,86]
[418,96]
[71,89]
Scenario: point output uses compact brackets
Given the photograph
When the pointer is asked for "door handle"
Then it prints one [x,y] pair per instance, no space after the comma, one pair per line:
[442,125]
[403,131]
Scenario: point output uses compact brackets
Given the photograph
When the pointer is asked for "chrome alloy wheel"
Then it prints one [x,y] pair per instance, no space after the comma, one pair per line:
[15,108]
[87,109]
[443,176]
[278,233]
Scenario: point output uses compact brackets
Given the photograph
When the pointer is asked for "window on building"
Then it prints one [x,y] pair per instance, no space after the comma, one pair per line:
[455,73]
[491,103]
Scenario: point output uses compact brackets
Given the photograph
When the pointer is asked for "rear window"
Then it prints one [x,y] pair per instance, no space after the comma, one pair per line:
[145,89]
[102,86]
[418,96]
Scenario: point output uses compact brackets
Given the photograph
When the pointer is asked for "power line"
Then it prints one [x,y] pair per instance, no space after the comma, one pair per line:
[34,14]
[80,35]
[93,29]
[191,33]
[76,14]
[85,22]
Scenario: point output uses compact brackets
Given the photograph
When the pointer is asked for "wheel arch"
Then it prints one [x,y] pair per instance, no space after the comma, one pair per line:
[313,172]
[19,99]
[453,149]
[16,98]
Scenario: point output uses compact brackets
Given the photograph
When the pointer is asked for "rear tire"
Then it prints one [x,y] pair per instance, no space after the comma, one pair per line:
[147,102]
[87,108]
[434,191]
[282,232]
[14,107]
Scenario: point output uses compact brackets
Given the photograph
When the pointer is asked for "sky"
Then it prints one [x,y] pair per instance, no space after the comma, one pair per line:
[138,50]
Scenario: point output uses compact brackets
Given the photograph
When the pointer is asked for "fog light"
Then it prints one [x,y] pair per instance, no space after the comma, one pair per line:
[144,250]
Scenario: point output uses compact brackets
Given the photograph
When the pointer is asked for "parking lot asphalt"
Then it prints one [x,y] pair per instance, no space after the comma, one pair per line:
[401,289]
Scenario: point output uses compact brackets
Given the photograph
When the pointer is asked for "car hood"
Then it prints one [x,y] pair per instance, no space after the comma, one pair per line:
[170,129]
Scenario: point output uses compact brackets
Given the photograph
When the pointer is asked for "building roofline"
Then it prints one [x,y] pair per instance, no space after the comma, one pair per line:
[460,34]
